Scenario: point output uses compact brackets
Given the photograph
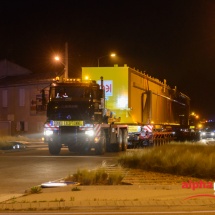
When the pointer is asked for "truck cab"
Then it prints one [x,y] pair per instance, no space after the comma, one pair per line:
[73,109]
[75,101]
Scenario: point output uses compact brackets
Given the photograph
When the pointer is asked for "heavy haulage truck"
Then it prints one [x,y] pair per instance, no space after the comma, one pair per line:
[126,109]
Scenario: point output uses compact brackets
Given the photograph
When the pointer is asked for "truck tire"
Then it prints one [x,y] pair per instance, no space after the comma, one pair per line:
[70,148]
[101,148]
[54,148]
[118,145]
[124,140]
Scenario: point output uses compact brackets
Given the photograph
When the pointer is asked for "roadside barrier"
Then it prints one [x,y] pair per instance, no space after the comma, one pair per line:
[161,138]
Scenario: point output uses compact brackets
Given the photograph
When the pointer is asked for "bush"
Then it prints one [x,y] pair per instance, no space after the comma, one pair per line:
[95,177]
[181,159]
[115,178]
[36,189]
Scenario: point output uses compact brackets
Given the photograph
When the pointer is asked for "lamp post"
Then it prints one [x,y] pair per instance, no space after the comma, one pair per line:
[111,55]
[65,63]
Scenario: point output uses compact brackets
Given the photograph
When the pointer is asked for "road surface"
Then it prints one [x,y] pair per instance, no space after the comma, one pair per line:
[23,169]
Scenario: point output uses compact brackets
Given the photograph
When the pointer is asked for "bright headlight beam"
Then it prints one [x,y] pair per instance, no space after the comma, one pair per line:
[89,133]
[48,133]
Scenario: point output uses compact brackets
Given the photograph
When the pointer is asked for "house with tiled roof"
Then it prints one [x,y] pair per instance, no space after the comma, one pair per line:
[23,100]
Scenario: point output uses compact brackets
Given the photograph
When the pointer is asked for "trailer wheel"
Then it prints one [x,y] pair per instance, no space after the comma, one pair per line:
[124,140]
[54,148]
[101,148]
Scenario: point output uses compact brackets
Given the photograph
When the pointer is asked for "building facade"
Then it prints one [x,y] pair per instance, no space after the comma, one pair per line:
[23,100]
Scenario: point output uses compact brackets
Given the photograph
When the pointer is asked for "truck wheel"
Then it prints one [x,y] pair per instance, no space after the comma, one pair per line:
[101,148]
[119,142]
[124,140]
[70,147]
[54,148]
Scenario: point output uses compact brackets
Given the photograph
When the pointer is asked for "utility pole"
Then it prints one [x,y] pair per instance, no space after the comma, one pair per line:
[66,61]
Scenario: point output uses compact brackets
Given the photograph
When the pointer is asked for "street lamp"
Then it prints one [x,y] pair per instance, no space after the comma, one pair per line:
[57,58]
[65,63]
[110,55]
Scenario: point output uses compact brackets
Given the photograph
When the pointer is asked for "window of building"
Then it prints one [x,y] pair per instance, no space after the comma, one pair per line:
[21,97]
[38,104]
[4,98]
[22,126]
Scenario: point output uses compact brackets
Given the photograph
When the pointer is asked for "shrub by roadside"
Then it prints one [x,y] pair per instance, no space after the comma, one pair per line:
[184,159]
[96,177]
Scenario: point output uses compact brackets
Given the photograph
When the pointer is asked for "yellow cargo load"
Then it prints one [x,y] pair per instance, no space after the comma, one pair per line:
[137,98]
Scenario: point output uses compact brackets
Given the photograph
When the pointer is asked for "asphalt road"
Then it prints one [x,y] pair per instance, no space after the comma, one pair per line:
[23,169]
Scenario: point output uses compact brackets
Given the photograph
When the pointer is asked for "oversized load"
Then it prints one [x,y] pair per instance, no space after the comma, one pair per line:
[139,100]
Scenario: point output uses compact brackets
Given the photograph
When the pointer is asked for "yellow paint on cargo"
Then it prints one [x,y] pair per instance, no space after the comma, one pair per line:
[116,88]
[135,96]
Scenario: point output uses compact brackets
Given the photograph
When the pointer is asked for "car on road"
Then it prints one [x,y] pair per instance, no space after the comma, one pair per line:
[208,130]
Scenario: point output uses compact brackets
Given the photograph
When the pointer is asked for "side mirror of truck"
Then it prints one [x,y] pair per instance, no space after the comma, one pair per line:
[101,93]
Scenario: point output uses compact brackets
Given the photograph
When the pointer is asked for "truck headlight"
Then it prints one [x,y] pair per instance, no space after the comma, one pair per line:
[89,133]
[203,133]
[48,132]
[212,133]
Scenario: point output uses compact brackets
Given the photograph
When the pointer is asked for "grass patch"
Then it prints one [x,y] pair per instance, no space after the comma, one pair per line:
[58,200]
[184,159]
[72,198]
[36,189]
[76,189]
[95,177]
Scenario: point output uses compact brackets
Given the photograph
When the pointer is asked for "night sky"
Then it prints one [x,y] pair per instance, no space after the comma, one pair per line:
[169,39]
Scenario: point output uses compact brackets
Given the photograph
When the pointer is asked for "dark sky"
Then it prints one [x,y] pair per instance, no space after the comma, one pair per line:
[169,39]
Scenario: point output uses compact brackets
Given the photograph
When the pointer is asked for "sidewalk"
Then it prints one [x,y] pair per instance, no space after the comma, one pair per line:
[118,197]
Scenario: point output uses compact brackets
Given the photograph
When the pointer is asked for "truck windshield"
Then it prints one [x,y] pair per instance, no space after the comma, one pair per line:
[71,92]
